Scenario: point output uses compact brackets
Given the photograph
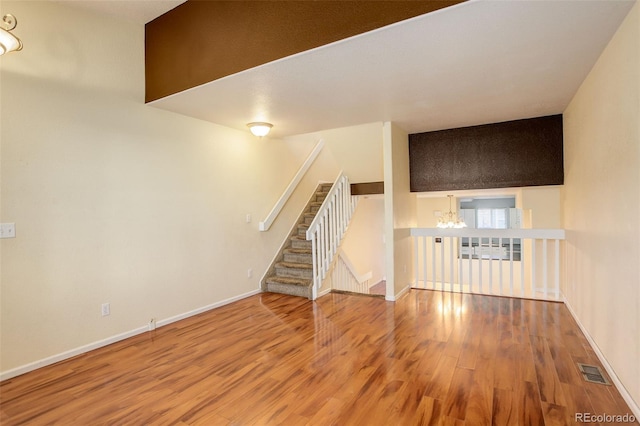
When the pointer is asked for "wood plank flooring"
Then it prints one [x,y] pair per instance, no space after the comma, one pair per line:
[429,359]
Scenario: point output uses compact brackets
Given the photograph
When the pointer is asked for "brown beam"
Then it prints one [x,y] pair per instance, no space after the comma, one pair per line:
[204,40]
[367,188]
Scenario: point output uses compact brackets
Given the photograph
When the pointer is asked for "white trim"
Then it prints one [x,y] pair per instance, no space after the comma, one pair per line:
[275,211]
[551,234]
[69,354]
[224,302]
[323,292]
[9,374]
[633,405]
[401,293]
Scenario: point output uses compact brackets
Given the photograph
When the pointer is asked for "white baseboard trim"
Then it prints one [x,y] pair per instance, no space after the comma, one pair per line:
[9,374]
[633,405]
[323,292]
[170,320]
[399,295]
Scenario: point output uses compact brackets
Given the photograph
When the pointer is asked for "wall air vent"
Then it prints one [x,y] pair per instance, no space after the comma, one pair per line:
[593,374]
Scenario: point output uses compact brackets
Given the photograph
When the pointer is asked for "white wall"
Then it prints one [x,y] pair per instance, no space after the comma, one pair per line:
[356,149]
[601,203]
[400,211]
[542,206]
[364,241]
[119,202]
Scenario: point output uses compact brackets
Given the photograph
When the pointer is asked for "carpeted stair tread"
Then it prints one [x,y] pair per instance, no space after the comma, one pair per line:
[297,251]
[300,238]
[294,265]
[303,282]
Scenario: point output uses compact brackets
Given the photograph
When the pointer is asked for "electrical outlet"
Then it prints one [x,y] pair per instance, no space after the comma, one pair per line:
[106,309]
[7,230]
[249,273]
[152,324]
[248,218]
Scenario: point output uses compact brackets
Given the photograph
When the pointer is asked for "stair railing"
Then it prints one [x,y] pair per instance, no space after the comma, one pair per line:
[328,228]
[524,263]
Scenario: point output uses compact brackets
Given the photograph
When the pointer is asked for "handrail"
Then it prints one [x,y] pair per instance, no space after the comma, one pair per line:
[275,211]
[552,234]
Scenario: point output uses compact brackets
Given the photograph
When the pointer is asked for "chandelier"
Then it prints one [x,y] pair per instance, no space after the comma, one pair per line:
[8,41]
[450,219]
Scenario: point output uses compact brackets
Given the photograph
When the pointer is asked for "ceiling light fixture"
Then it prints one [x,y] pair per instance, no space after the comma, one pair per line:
[8,42]
[260,128]
[450,219]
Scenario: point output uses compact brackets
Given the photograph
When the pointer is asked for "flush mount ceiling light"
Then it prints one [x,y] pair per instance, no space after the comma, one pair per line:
[8,42]
[260,128]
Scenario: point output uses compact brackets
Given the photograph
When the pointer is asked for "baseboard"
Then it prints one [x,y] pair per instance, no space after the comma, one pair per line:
[173,319]
[399,295]
[9,374]
[633,405]
[323,292]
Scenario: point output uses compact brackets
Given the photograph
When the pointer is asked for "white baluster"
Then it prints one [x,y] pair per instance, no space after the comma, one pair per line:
[534,288]
[451,263]
[314,250]
[424,262]
[500,265]
[544,268]
[433,263]
[460,257]
[480,265]
[511,266]
[521,267]
[442,263]
[470,264]
[491,265]
[416,258]
[557,269]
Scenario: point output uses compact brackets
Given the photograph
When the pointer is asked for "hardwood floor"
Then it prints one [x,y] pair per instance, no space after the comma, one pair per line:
[429,359]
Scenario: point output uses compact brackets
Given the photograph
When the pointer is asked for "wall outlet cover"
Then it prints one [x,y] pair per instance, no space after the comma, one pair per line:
[7,230]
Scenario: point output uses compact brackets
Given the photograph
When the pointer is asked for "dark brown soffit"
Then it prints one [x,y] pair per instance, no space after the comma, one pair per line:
[204,40]
[367,188]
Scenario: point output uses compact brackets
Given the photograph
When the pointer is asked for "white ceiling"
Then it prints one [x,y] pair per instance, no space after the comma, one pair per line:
[482,61]
[136,11]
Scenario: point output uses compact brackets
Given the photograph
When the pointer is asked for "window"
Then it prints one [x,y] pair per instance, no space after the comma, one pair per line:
[492,218]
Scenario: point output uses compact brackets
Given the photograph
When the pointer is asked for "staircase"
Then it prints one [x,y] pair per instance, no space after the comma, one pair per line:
[292,272]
